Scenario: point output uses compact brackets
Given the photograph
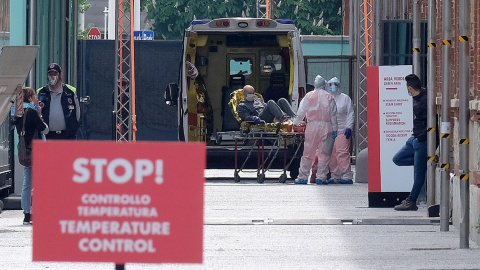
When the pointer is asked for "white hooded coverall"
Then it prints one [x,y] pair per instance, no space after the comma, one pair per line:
[321,112]
[340,160]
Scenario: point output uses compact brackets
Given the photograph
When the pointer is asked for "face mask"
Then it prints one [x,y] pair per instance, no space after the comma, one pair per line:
[410,94]
[250,97]
[52,80]
[333,89]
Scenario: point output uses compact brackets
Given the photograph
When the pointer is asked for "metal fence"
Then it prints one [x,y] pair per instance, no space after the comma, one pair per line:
[157,64]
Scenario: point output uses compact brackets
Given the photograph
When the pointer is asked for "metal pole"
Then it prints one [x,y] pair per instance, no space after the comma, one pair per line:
[416,38]
[271,9]
[394,11]
[51,27]
[136,15]
[378,32]
[431,114]
[357,73]
[386,5]
[351,27]
[133,116]
[105,20]
[73,44]
[404,6]
[463,121]
[64,63]
[117,88]
[32,37]
[445,128]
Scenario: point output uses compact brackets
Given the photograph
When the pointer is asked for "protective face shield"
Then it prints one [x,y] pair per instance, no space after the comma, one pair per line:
[334,85]
[333,88]
[250,97]
[52,79]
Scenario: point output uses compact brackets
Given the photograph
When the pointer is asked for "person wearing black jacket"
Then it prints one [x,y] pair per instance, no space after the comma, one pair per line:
[414,152]
[34,125]
[60,106]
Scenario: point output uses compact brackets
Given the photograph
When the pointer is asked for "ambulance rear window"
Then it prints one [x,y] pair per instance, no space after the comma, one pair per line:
[241,66]
[270,63]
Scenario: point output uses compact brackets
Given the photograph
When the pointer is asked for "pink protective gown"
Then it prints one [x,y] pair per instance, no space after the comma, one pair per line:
[321,112]
[340,160]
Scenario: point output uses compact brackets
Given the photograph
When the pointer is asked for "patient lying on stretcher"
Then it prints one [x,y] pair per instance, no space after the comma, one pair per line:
[249,107]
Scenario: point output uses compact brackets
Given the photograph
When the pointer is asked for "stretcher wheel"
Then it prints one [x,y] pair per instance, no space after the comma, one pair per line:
[283,178]
[261,178]
[236,177]
[218,140]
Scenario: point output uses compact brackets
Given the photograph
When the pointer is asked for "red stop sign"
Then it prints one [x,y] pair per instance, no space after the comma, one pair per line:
[94,33]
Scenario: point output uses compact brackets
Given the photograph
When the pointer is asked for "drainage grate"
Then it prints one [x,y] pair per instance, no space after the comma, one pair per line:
[432,248]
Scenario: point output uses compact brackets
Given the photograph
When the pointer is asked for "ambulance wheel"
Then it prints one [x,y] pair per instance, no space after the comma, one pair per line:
[283,178]
[236,177]
[261,178]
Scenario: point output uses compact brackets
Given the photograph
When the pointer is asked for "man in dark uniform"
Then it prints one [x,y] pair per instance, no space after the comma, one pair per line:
[60,106]
[414,152]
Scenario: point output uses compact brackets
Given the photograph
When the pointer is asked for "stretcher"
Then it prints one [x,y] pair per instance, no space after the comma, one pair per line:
[267,154]
[266,138]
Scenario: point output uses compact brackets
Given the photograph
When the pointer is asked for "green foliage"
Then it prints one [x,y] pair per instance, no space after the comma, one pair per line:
[171,17]
[477,226]
[83,34]
[83,6]
[313,17]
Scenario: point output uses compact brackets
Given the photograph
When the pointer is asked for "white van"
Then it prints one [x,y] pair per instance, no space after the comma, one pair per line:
[228,54]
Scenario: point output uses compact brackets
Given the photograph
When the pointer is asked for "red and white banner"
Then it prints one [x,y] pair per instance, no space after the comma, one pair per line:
[118,202]
[390,123]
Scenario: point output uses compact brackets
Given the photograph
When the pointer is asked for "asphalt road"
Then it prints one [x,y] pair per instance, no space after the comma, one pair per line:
[285,226]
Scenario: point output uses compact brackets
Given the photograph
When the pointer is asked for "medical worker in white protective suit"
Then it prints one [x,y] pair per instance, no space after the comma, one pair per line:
[340,169]
[321,112]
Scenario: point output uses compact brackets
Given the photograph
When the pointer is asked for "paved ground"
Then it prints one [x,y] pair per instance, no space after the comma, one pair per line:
[286,226]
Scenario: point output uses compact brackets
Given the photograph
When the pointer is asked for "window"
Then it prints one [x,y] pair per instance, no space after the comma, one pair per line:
[270,63]
[241,66]
[397,45]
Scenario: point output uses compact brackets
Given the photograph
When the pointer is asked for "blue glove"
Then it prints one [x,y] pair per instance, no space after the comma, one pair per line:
[256,120]
[348,133]
[334,135]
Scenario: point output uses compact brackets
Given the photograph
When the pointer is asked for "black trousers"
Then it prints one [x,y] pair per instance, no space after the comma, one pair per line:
[59,135]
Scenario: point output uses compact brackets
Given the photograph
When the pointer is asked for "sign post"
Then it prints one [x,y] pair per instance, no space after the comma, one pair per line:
[94,33]
[390,123]
[111,202]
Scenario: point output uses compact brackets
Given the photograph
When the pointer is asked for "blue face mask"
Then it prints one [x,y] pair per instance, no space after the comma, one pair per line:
[333,89]
[410,94]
